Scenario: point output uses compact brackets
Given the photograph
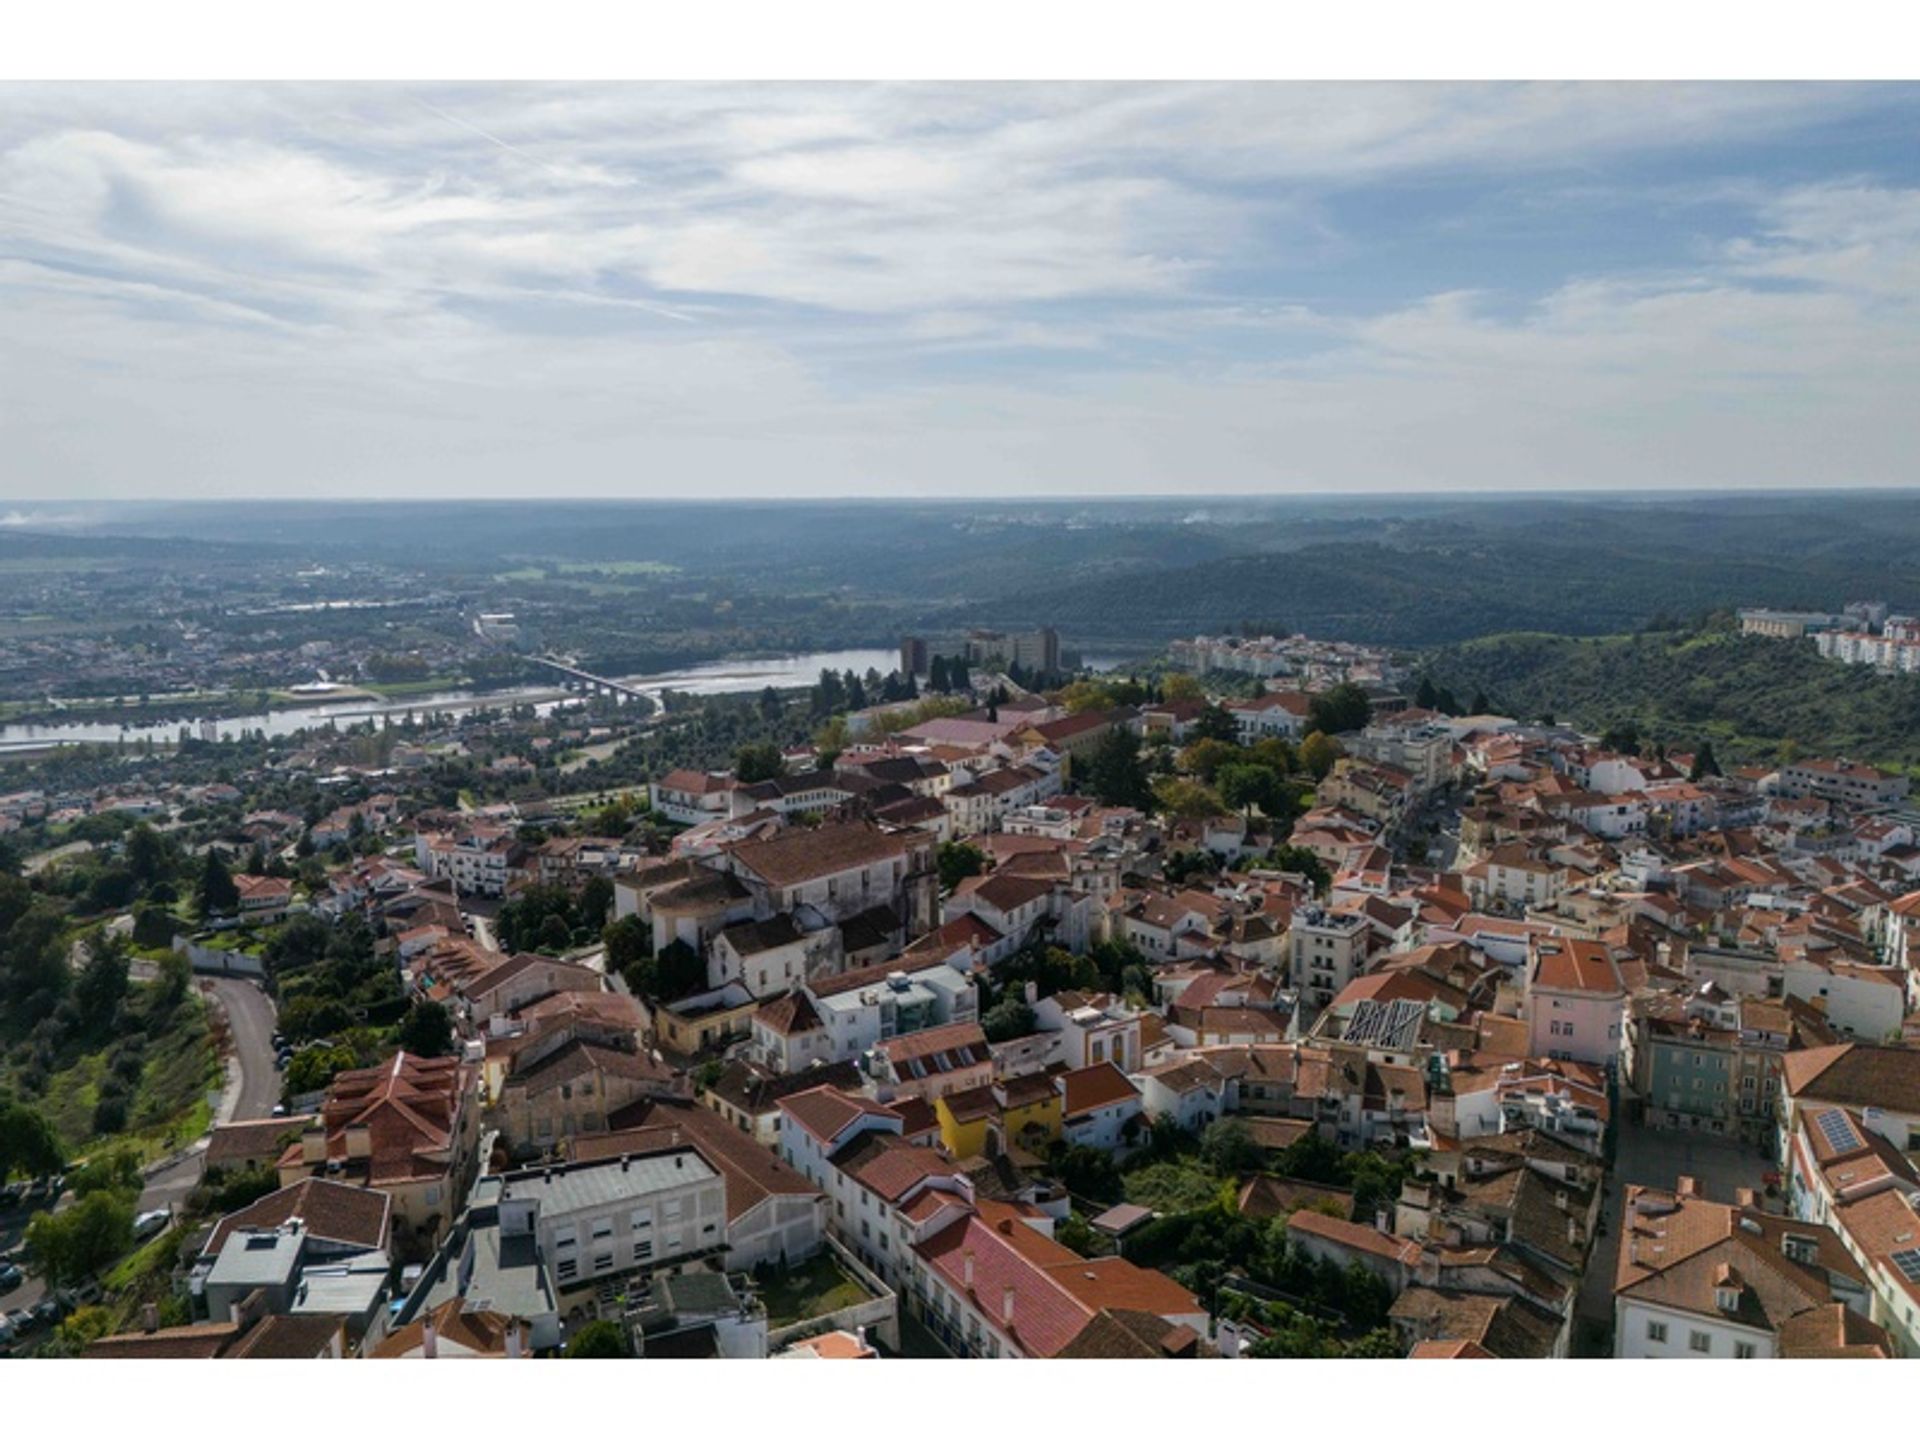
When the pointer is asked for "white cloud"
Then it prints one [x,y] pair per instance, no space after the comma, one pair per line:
[539,290]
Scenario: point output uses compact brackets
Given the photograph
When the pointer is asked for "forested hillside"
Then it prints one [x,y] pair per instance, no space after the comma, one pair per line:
[1747,694]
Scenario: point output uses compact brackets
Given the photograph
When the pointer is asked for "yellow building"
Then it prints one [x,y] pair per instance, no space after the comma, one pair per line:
[990,1119]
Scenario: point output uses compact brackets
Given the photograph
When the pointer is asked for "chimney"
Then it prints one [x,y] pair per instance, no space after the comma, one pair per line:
[1746,1198]
[966,1268]
[513,1340]
[1574,1236]
[1686,1185]
[1006,1307]
[429,1340]
[149,1318]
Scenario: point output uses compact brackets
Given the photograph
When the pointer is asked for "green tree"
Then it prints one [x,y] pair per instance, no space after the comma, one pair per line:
[217,893]
[1116,775]
[314,1067]
[153,926]
[1229,1149]
[72,1245]
[1186,799]
[1244,787]
[34,974]
[1318,753]
[148,856]
[829,696]
[102,982]
[426,1030]
[28,1143]
[679,971]
[958,861]
[595,901]
[599,1340]
[1704,763]
[1345,707]
[759,761]
[1298,861]
[1623,738]
[1008,1020]
[629,940]
[1216,722]
[1204,759]
[115,1172]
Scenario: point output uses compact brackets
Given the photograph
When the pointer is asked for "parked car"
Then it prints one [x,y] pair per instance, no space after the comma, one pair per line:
[87,1292]
[48,1311]
[151,1222]
[23,1320]
[13,1195]
[11,1278]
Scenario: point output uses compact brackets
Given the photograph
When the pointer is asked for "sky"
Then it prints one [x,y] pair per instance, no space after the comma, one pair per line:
[645,290]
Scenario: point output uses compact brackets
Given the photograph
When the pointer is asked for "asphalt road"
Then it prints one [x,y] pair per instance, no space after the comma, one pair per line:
[252,1017]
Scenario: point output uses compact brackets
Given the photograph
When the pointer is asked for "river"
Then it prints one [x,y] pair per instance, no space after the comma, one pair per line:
[715,677]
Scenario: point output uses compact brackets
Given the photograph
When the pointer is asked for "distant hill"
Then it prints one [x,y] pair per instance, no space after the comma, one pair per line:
[1423,594]
[1746,694]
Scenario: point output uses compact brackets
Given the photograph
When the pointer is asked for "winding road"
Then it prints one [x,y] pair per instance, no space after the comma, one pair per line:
[251,1091]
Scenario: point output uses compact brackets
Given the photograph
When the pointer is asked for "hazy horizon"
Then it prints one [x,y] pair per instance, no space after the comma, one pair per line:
[994,292]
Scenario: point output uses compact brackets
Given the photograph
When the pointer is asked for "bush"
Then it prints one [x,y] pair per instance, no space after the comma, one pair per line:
[73,1245]
[599,1340]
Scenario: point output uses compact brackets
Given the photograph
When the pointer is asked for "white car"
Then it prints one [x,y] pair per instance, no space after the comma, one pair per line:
[151,1222]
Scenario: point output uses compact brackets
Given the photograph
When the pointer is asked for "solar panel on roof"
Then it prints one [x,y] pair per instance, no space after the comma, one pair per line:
[1838,1128]
[1909,1263]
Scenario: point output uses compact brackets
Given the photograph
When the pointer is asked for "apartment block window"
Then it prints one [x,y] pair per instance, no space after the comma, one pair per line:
[1742,1350]
[566,1269]
[1657,1331]
[642,1251]
[1700,1342]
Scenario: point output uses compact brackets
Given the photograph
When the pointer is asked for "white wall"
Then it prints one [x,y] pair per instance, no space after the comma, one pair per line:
[1632,1340]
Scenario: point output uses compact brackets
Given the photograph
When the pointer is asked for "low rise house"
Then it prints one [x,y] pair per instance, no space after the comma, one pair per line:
[263,898]
[1698,1279]
[409,1128]
[1575,1001]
